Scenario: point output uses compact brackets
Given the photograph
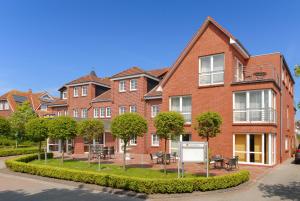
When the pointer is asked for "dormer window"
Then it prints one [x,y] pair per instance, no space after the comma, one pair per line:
[64,95]
[4,105]
[211,70]
[122,86]
[133,85]
[75,92]
[43,107]
[84,91]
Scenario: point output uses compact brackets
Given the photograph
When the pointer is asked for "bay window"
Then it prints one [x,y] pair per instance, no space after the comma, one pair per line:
[254,106]
[211,70]
[183,105]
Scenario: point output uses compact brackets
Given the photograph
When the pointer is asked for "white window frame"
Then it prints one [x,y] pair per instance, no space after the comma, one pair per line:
[180,106]
[108,111]
[270,95]
[84,113]
[64,95]
[102,112]
[75,91]
[133,141]
[75,113]
[131,108]
[286,143]
[58,113]
[237,73]
[2,105]
[121,108]
[84,90]
[45,107]
[96,112]
[211,73]
[122,86]
[154,110]
[156,142]
[66,113]
[133,87]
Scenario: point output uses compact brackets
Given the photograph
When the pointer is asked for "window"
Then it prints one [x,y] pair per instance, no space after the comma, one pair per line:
[133,85]
[84,91]
[66,113]
[84,113]
[102,112]
[286,143]
[75,92]
[122,86]
[182,104]
[154,140]
[108,112]
[132,108]
[43,107]
[239,75]
[96,112]
[75,113]
[133,141]
[154,110]
[59,113]
[122,109]
[4,105]
[254,106]
[64,95]
[211,70]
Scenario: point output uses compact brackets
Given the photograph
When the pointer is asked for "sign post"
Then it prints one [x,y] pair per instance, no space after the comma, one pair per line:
[192,152]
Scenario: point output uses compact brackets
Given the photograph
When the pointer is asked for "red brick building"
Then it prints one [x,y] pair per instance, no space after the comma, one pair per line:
[39,101]
[253,94]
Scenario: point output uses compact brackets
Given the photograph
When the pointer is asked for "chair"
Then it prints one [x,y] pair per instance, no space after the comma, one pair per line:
[237,161]
[111,151]
[168,158]
[153,158]
[230,163]
[105,152]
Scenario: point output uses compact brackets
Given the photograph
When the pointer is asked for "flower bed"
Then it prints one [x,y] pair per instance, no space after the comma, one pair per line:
[142,185]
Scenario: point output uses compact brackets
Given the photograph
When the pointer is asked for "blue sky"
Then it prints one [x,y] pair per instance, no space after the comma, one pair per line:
[44,44]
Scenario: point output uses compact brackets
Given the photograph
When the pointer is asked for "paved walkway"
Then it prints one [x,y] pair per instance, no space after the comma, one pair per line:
[282,183]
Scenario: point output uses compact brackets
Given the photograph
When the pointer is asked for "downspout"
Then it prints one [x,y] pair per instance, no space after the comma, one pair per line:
[281,106]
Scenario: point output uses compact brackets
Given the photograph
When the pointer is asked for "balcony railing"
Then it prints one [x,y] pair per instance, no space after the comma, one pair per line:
[254,115]
[254,73]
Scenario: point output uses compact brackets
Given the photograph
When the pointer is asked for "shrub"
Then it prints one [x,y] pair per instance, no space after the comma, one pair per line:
[141,185]
[19,151]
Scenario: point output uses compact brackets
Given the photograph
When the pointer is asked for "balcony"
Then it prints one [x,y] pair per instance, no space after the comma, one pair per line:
[254,115]
[255,73]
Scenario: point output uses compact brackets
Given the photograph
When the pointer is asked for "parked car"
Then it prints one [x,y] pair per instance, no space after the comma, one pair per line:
[297,155]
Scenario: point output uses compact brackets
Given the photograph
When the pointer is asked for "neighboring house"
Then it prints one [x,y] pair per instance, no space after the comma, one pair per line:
[39,102]
[253,94]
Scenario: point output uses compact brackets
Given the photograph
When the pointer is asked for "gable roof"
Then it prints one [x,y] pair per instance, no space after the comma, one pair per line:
[92,77]
[153,94]
[137,71]
[58,103]
[15,97]
[209,20]
[104,97]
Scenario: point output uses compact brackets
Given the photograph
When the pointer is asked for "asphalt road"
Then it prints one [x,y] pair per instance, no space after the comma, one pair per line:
[282,183]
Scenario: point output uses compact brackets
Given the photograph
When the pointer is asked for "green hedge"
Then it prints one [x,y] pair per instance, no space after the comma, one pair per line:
[18,151]
[142,185]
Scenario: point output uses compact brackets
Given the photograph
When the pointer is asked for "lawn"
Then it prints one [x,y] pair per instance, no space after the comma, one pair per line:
[111,169]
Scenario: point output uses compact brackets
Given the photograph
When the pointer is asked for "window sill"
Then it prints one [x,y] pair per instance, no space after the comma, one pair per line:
[122,91]
[253,123]
[132,145]
[210,86]
[133,90]
[155,146]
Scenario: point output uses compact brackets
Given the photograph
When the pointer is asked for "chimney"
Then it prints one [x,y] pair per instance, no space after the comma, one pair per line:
[93,73]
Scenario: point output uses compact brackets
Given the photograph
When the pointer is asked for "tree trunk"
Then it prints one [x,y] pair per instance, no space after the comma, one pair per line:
[124,156]
[165,161]
[89,155]
[63,151]
[40,148]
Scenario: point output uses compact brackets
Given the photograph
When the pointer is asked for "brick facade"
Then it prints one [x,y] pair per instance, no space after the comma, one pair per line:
[262,72]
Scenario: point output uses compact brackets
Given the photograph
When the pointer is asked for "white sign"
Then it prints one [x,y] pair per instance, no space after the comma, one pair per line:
[193,152]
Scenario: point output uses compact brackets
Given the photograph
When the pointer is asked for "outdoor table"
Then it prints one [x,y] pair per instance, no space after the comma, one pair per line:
[220,161]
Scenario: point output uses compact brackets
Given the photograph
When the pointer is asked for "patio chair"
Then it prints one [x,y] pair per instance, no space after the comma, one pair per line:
[168,158]
[153,158]
[111,151]
[237,161]
[231,163]
[174,157]
[105,152]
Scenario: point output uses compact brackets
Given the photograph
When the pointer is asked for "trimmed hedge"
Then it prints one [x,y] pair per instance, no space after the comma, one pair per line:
[142,185]
[18,151]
